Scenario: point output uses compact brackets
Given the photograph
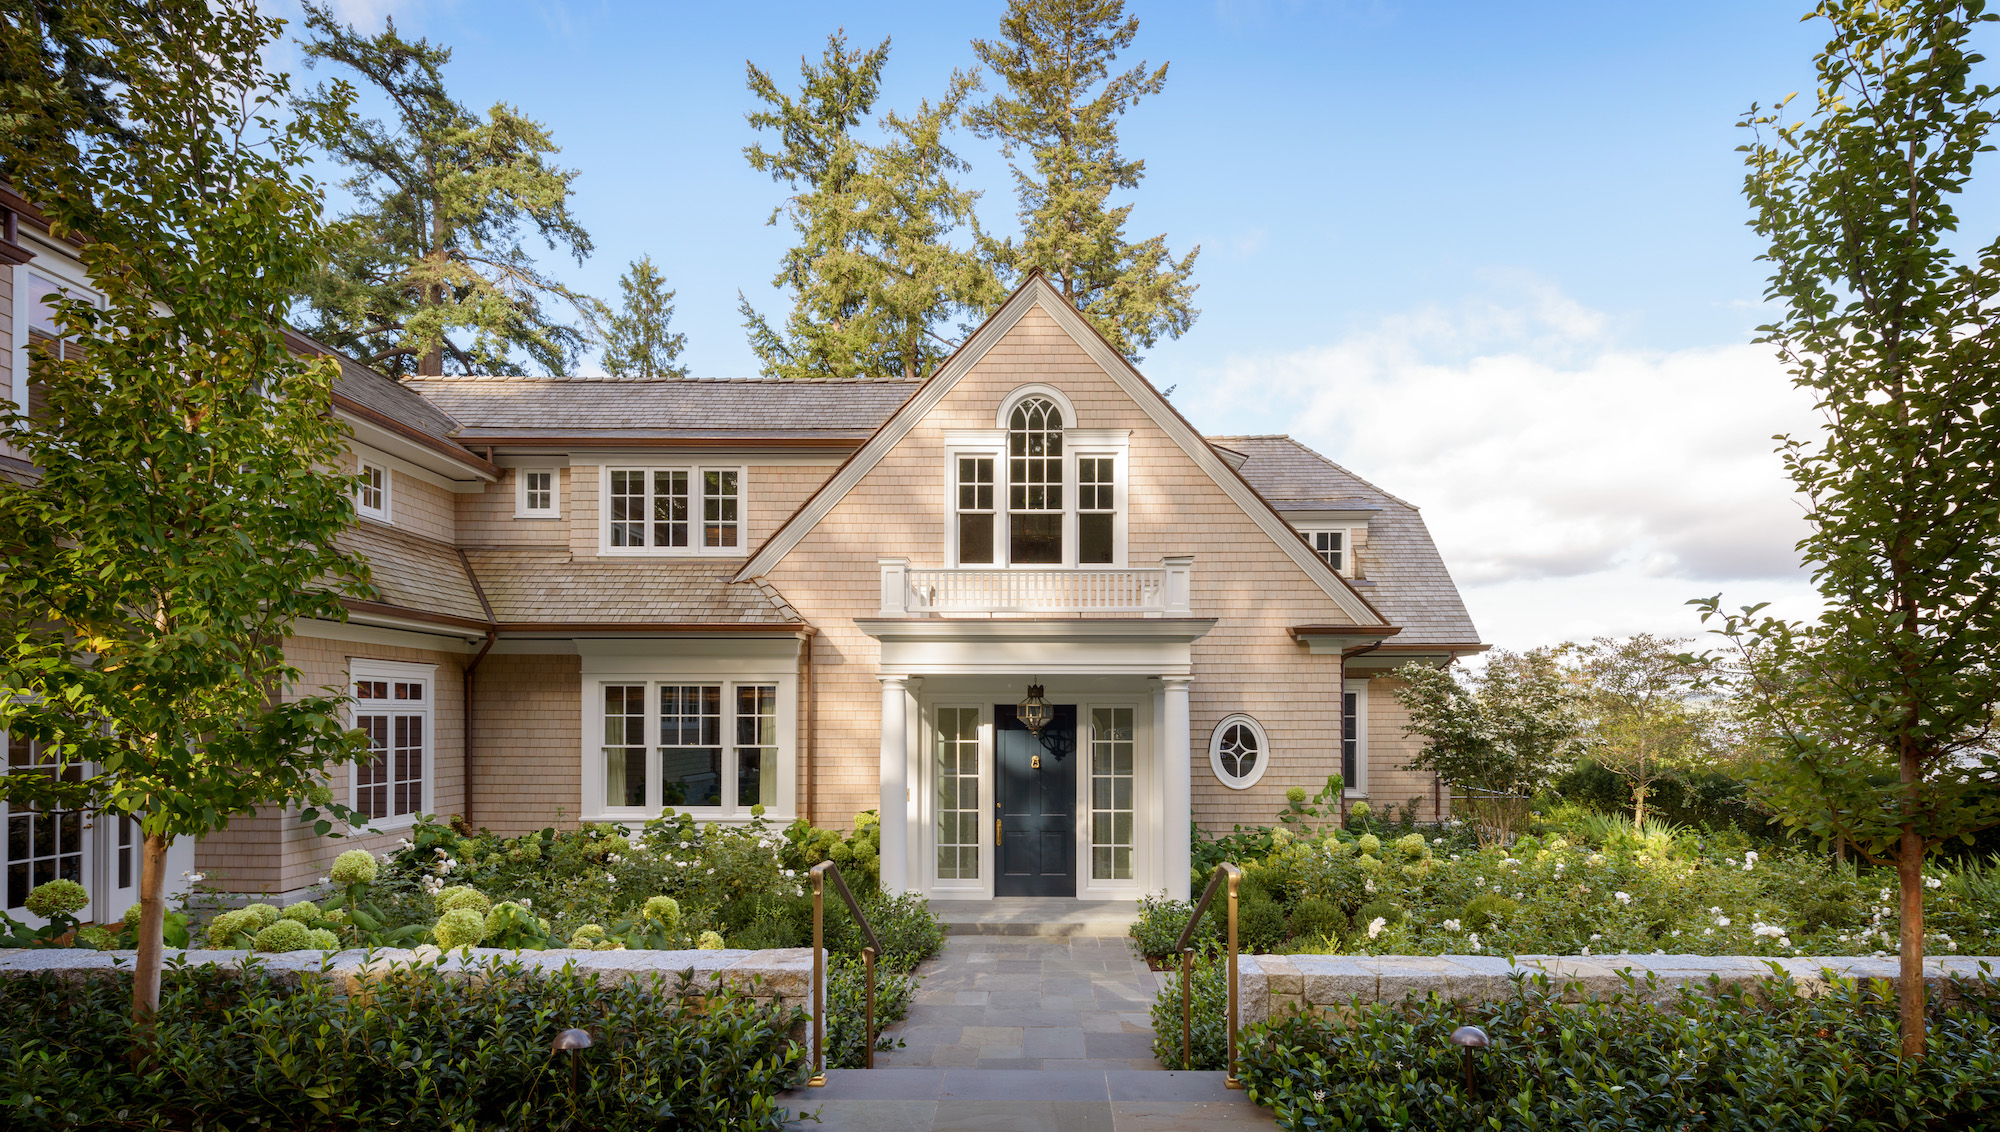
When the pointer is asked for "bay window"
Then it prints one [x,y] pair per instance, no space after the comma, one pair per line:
[719,746]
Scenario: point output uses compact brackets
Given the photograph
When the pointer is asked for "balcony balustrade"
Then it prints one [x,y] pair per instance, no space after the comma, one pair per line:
[1160,591]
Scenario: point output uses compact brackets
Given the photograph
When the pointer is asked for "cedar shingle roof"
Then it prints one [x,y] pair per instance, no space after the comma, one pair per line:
[548,585]
[1411,586]
[615,407]
[413,572]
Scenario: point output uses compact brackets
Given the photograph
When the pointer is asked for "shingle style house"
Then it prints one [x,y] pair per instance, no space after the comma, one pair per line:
[598,599]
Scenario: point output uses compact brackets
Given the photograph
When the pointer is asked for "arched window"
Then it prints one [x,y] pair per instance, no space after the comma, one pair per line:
[1238,752]
[1035,482]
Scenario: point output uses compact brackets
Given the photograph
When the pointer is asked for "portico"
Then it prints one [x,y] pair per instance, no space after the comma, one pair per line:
[1095,807]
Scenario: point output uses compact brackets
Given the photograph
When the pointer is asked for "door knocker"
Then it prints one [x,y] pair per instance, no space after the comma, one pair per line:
[1035,762]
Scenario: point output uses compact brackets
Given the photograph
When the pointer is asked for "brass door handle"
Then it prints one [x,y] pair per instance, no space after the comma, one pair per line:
[996,831]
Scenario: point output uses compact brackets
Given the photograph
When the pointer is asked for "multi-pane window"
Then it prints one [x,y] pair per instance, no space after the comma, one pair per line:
[1238,752]
[42,845]
[394,714]
[538,493]
[1111,837]
[1035,483]
[1096,508]
[975,510]
[690,745]
[1350,739]
[693,745]
[718,508]
[625,744]
[756,745]
[958,813]
[1330,546]
[371,492]
[654,509]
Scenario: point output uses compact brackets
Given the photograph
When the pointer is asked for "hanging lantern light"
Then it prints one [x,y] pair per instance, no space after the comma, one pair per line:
[1034,712]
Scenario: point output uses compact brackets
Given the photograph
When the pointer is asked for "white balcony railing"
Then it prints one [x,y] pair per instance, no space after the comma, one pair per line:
[1146,591]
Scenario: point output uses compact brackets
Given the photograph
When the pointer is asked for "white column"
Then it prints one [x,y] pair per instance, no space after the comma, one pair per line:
[1178,800]
[895,784]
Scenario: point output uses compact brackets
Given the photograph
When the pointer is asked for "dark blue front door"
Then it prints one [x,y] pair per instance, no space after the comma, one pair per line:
[1035,799]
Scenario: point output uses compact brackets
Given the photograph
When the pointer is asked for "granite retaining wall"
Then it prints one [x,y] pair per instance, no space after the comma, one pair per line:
[1276,984]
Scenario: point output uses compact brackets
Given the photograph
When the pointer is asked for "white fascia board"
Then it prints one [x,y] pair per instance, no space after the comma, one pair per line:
[373,629]
[414,459]
[1184,630]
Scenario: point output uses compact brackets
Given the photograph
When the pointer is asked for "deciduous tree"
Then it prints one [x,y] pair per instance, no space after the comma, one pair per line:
[1644,710]
[1876,717]
[430,271]
[638,338]
[185,508]
[874,276]
[1060,111]
[1502,733]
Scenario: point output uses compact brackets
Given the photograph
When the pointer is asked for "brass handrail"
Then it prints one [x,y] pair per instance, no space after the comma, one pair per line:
[868,954]
[1235,876]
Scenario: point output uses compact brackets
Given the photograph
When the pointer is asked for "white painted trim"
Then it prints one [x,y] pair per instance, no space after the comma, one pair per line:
[554,510]
[1037,292]
[1346,533]
[1359,689]
[1215,752]
[1148,806]
[989,648]
[1035,389]
[361,668]
[693,549]
[363,464]
[433,639]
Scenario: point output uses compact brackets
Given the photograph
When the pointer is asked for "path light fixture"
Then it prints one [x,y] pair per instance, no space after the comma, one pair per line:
[575,1042]
[1034,712]
[1469,1038]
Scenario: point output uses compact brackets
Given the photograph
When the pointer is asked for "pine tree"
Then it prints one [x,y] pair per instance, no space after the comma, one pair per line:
[1053,55]
[637,341]
[873,275]
[431,269]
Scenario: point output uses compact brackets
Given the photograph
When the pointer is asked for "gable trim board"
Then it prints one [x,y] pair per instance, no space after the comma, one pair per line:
[1036,292]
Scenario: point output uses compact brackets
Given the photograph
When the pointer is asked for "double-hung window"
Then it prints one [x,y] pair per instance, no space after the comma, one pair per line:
[692,744]
[694,510]
[392,709]
[1037,491]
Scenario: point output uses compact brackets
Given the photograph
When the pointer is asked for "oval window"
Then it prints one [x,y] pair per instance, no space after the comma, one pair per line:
[1238,752]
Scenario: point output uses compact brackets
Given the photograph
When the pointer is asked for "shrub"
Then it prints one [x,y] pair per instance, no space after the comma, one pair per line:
[460,927]
[57,898]
[251,1052]
[283,935]
[1759,1057]
[305,912]
[1488,911]
[1260,922]
[463,896]
[510,925]
[1160,923]
[263,915]
[1210,1030]
[1314,920]
[233,929]
[709,941]
[847,1013]
[320,939]
[1368,842]
[1413,846]
[664,910]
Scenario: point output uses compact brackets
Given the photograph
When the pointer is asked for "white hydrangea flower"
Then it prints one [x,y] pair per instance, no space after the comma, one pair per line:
[1375,926]
[1450,925]
[1933,882]
[1595,936]
[1622,897]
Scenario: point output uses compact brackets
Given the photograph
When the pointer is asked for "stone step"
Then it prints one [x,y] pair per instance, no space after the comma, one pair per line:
[1055,917]
[876,1100]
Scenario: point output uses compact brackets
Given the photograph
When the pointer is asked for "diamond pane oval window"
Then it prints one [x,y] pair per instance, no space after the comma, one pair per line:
[1238,752]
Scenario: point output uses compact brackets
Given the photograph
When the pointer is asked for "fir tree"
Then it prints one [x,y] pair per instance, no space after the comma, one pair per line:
[637,339]
[431,269]
[873,275]
[1061,108]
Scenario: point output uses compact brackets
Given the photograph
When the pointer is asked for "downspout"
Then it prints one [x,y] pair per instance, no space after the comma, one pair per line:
[1359,755]
[465,684]
[807,635]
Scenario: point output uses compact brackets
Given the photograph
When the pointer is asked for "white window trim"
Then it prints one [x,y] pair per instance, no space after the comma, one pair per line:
[382,513]
[928,811]
[554,509]
[997,452]
[359,669]
[693,549]
[1078,443]
[729,674]
[1215,752]
[1145,803]
[1359,689]
[70,277]
[1346,534]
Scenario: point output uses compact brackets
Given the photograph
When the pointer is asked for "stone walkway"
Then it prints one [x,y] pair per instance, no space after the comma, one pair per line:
[1027,1034]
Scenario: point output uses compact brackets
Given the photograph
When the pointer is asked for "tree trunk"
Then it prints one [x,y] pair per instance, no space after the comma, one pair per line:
[1638,808]
[1910,872]
[152,944]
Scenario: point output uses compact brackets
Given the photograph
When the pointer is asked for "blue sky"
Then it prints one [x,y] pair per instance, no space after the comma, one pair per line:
[1491,255]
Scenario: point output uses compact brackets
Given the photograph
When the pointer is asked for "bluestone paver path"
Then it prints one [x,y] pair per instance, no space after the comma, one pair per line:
[1028,1033]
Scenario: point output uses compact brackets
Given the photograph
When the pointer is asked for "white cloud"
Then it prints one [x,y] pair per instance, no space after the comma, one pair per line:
[1574,488]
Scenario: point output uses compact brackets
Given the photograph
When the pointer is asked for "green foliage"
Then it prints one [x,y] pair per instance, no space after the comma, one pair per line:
[356,866]
[1645,715]
[460,927]
[1209,1032]
[511,926]
[1316,922]
[1503,732]
[873,275]
[305,912]
[283,935]
[1060,111]
[1488,911]
[846,1001]
[637,338]
[462,896]
[419,1051]
[430,271]
[1161,921]
[1315,816]
[57,898]
[1763,1057]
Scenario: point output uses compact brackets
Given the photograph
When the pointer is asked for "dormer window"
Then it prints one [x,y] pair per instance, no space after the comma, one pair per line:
[371,491]
[1038,491]
[687,510]
[1331,546]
